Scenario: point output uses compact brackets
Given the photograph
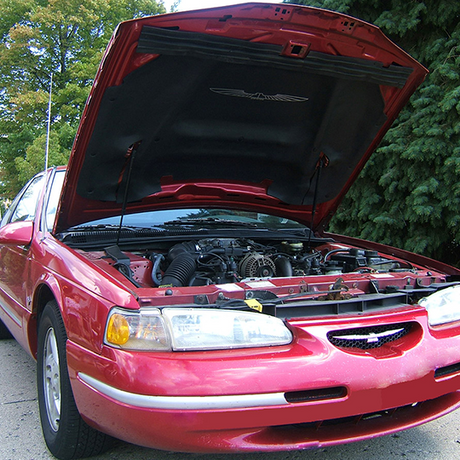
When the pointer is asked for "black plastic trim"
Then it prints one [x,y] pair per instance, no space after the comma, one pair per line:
[154,40]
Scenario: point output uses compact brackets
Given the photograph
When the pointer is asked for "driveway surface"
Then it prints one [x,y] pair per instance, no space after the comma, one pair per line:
[21,438]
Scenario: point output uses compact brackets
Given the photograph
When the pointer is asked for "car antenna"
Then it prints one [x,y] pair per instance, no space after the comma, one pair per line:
[323,162]
[49,123]
[130,155]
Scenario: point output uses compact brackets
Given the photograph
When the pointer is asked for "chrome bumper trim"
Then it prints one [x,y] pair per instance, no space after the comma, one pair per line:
[185,402]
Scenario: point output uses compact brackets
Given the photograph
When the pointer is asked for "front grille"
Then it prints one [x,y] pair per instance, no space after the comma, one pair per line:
[368,338]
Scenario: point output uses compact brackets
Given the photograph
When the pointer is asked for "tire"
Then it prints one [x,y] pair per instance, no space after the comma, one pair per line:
[4,332]
[66,434]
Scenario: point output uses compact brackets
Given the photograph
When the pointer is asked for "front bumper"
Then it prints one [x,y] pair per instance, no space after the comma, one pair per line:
[304,395]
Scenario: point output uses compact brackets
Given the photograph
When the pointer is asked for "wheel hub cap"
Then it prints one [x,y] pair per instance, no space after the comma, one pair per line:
[51,380]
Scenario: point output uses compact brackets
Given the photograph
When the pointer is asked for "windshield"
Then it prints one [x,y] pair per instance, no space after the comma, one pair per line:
[53,198]
[195,216]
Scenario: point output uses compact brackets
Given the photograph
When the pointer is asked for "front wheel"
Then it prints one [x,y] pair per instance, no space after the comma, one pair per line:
[66,434]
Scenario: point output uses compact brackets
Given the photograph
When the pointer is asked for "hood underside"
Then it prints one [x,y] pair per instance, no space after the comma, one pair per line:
[237,104]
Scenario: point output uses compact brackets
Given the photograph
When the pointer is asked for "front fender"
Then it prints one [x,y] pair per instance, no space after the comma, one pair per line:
[84,293]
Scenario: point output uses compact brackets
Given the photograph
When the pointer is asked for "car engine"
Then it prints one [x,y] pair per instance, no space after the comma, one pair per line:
[228,260]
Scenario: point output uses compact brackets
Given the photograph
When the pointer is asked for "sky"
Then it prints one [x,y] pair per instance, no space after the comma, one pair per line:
[197,4]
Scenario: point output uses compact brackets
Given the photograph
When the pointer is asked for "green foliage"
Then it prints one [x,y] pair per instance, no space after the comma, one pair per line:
[408,195]
[65,38]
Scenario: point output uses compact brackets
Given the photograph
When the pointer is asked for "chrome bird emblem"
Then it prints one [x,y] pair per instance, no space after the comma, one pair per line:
[258,96]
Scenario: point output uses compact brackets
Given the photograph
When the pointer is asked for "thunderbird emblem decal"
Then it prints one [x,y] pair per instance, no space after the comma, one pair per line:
[258,96]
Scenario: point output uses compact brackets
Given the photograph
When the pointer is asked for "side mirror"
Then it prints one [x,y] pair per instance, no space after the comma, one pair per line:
[17,233]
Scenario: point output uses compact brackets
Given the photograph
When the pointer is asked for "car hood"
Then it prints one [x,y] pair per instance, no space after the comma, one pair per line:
[272,107]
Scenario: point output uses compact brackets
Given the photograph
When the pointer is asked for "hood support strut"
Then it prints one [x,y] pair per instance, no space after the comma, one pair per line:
[130,155]
[122,261]
[323,162]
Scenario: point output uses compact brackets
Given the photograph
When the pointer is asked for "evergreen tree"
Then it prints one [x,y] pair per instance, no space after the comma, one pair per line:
[65,38]
[408,195]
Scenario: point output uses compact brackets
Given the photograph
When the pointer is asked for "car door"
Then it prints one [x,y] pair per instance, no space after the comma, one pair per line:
[15,254]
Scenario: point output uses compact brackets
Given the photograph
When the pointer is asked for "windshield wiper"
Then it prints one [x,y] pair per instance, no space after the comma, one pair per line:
[213,221]
[114,227]
[92,228]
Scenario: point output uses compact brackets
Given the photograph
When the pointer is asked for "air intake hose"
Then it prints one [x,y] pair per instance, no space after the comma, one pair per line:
[181,268]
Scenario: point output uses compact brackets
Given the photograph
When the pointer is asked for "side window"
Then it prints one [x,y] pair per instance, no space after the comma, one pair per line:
[27,204]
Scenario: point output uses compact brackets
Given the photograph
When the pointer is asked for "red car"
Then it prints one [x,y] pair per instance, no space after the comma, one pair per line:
[181,293]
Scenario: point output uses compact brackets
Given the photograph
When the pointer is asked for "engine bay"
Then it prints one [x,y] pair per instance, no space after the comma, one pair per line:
[230,260]
[285,277]
[218,261]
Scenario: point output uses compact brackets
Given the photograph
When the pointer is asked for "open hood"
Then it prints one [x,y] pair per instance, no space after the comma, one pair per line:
[272,107]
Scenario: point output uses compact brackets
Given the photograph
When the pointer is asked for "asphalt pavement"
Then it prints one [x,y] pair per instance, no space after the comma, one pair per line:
[21,438]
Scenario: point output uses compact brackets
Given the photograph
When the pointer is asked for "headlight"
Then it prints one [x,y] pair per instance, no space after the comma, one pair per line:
[443,306]
[196,329]
[184,329]
[137,330]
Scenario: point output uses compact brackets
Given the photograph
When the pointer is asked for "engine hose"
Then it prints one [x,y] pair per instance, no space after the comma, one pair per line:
[180,271]
[180,248]
[283,267]
[334,251]
[156,274]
